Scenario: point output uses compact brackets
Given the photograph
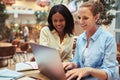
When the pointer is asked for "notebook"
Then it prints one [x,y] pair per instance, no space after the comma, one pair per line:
[48,61]
[23,66]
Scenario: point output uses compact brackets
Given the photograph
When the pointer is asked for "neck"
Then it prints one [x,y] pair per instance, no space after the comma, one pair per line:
[91,32]
[61,35]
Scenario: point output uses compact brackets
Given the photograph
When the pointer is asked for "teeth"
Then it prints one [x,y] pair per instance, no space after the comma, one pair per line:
[83,25]
[59,27]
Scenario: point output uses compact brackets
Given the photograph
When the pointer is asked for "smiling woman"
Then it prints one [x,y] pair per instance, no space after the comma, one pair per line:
[59,32]
[93,61]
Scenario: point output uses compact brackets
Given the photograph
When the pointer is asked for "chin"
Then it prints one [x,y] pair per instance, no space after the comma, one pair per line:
[84,27]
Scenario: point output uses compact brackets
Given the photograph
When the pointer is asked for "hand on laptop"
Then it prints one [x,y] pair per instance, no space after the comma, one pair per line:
[78,73]
[69,65]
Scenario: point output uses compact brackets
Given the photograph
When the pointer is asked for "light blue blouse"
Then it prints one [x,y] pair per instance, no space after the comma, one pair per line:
[102,53]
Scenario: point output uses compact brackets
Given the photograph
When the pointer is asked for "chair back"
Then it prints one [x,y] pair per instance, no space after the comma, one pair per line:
[118,47]
[7,51]
[118,59]
[6,55]
[24,46]
[16,42]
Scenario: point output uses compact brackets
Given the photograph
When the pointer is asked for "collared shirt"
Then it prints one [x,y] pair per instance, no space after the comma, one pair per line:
[102,53]
[52,39]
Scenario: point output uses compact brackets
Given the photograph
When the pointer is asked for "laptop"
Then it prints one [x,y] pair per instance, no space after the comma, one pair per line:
[49,62]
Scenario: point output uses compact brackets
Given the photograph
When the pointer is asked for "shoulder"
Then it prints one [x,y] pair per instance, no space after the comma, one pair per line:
[81,36]
[102,34]
[45,31]
[107,34]
[106,37]
[45,28]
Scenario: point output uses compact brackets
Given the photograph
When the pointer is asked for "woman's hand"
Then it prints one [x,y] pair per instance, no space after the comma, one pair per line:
[69,65]
[79,73]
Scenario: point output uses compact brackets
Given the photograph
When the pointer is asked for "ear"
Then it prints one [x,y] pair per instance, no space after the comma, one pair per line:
[97,17]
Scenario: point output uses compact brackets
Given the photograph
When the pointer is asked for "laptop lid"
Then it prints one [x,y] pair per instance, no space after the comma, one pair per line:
[49,62]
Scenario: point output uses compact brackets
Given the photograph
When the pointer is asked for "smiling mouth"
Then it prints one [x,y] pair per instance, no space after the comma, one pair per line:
[83,25]
[59,27]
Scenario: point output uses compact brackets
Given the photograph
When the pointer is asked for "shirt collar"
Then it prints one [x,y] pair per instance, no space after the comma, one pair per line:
[55,33]
[95,35]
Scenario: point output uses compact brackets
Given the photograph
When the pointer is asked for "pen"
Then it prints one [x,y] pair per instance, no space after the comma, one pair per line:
[35,78]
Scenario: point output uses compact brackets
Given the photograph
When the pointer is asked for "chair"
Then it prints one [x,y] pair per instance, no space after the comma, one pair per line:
[21,52]
[118,47]
[6,55]
[118,55]
[16,42]
[118,59]
[24,47]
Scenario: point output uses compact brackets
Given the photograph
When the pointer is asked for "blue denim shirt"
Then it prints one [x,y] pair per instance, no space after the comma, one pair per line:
[102,53]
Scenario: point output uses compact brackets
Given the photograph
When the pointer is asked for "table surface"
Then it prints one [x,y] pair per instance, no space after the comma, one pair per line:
[33,73]
[2,44]
[36,74]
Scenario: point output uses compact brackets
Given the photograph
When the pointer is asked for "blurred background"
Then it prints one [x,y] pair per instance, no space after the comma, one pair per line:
[16,14]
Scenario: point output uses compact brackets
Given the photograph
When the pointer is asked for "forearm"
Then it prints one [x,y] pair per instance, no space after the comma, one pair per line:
[98,73]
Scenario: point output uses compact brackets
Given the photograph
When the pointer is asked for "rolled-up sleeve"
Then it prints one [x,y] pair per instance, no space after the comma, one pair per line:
[110,65]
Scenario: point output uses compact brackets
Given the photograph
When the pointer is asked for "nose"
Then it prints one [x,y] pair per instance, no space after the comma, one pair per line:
[81,21]
[58,22]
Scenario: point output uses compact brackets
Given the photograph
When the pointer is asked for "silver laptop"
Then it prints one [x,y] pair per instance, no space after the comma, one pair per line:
[49,62]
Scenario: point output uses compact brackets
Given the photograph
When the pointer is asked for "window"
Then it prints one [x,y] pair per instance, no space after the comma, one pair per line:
[117,27]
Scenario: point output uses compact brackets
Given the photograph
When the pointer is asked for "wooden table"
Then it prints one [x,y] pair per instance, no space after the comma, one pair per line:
[33,73]
[36,74]
[4,47]
[2,44]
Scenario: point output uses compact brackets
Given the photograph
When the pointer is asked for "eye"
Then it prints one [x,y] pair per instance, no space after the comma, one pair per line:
[54,20]
[79,17]
[61,20]
[85,18]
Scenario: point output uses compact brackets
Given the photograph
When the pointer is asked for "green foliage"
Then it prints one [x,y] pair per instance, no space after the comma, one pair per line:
[41,16]
[2,7]
[106,17]
[3,16]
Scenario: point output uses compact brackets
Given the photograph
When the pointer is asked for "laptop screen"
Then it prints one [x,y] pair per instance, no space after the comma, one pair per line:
[49,62]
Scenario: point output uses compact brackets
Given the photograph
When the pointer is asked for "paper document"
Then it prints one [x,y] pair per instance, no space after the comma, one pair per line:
[1,78]
[26,66]
[26,78]
[7,74]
